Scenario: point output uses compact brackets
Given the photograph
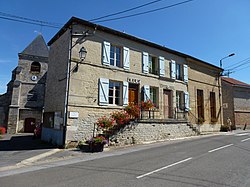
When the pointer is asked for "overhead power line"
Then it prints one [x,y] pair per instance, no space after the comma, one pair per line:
[127,10]
[20,19]
[28,19]
[28,22]
[146,12]
[243,63]
[240,62]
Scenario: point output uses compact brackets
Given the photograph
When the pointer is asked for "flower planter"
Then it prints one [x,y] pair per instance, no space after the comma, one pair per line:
[96,147]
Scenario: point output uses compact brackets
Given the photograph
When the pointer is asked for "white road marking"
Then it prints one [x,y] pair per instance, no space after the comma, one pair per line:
[219,148]
[165,167]
[245,140]
[243,134]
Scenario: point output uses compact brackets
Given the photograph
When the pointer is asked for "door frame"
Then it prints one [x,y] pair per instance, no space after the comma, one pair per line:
[29,128]
[169,111]
[136,87]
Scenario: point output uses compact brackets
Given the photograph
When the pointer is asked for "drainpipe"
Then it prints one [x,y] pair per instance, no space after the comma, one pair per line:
[220,99]
[65,116]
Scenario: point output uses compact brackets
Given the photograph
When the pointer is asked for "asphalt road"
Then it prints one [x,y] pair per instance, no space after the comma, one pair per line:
[222,160]
[16,148]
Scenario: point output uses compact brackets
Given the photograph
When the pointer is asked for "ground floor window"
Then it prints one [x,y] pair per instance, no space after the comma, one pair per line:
[115,92]
[200,105]
[213,106]
[180,100]
[154,95]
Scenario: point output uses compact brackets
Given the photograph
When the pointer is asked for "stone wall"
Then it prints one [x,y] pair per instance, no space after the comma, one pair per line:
[57,75]
[142,132]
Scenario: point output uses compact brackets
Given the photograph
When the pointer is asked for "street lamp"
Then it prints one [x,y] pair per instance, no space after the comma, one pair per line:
[82,53]
[224,58]
[82,56]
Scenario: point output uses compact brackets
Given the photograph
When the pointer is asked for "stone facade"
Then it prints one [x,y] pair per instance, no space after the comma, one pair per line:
[207,79]
[236,102]
[81,91]
[27,88]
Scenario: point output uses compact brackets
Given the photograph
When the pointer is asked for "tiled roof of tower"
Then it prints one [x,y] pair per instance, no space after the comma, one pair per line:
[37,47]
[234,81]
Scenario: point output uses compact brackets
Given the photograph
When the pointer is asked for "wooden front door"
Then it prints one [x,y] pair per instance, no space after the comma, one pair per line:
[29,125]
[133,94]
[167,104]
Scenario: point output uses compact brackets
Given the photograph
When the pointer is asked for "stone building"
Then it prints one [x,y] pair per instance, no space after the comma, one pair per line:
[236,102]
[118,69]
[205,98]
[24,100]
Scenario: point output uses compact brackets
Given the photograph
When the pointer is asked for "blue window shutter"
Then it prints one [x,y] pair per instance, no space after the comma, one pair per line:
[125,93]
[146,90]
[186,100]
[126,58]
[103,91]
[185,72]
[106,53]
[173,69]
[145,62]
[162,66]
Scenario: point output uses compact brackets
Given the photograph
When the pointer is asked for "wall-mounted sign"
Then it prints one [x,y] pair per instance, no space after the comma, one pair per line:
[133,80]
[74,115]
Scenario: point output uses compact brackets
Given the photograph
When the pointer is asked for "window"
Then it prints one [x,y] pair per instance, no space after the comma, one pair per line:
[178,71]
[35,67]
[153,95]
[213,106]
[200,105]
[32,96]
[179,100]
[115,56]
[152,65]
[115,93]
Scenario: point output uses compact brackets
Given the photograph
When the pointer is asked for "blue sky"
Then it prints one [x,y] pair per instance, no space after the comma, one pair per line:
[206,29]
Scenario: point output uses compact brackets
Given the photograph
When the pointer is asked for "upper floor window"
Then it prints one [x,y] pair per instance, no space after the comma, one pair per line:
[35,67]
[115,56]
[179,71]
[179,74]
[152,65]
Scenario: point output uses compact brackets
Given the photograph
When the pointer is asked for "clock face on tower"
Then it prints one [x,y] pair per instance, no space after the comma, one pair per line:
[33,77]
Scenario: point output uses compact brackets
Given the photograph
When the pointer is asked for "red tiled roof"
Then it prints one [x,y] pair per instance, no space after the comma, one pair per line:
[234,81]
